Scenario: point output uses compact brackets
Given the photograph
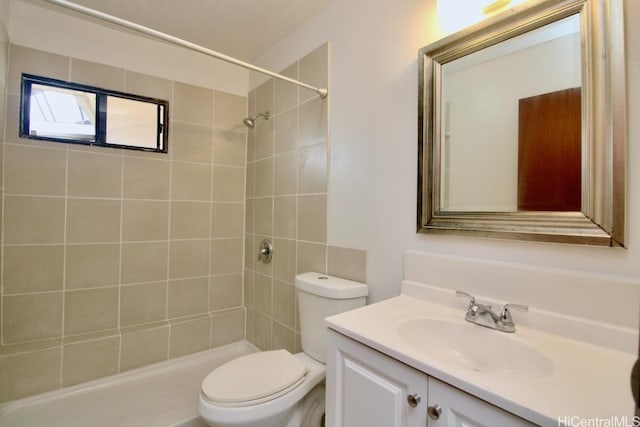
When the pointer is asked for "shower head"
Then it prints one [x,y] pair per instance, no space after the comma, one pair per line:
[250,122]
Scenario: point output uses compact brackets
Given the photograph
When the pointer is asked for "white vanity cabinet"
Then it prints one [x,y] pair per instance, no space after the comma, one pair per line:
[366,388]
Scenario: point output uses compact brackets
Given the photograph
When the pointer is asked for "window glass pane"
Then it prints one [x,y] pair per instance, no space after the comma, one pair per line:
[62,113]
[131,122]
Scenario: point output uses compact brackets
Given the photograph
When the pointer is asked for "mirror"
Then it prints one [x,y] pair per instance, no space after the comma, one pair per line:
[522,131]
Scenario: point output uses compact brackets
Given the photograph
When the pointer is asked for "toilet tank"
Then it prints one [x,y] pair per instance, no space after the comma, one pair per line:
[320,296]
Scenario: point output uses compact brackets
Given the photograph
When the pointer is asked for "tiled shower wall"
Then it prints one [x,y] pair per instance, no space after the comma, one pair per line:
[287,186]
[115,259]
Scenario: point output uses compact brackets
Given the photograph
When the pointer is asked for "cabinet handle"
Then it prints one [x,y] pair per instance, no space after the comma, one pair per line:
[413,399]
[434,412]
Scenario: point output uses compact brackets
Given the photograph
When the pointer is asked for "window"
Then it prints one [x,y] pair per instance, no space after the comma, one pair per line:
[56,110]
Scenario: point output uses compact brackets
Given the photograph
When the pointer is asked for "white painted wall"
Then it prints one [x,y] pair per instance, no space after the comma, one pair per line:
[373,138]
[95,41]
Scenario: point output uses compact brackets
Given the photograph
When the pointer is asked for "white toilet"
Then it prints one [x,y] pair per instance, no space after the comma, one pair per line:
[276,388]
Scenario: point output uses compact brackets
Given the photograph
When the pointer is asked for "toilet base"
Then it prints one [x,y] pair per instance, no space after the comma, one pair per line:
[306,413]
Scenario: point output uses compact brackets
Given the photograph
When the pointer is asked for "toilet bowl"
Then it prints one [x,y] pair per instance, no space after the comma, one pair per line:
[277,388]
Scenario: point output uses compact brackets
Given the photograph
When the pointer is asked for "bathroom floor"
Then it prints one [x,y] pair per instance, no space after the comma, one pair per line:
[162,395]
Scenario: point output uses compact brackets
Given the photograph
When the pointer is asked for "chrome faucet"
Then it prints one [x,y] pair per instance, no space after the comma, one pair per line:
[483,315]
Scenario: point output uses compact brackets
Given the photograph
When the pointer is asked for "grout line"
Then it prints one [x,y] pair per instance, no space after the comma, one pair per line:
[120,257]
[64,260]
[166,307]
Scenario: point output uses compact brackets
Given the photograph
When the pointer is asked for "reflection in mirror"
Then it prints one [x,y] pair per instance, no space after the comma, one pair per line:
[522,129]
[485,135]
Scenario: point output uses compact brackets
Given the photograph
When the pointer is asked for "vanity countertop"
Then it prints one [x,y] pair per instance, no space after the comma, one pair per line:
[585,381]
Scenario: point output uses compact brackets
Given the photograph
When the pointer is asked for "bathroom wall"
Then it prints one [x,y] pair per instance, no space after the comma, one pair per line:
[373,102]
[287,187]
[115,259]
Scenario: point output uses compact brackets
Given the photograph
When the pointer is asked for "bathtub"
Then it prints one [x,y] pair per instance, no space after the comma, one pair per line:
[160,395]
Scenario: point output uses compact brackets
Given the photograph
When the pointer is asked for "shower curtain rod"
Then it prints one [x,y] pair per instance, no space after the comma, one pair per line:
[323,92]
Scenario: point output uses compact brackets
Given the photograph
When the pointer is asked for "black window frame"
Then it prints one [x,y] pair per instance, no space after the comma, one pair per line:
[101,113]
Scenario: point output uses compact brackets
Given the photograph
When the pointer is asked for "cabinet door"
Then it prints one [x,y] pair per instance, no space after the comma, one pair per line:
[366,388]
[455,408]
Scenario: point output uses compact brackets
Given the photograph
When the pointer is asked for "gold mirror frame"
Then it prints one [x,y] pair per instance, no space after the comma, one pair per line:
[601,220]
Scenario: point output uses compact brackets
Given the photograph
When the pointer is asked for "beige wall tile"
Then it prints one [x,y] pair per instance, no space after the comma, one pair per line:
[32,269]
[312,127]
[94,175]
[25,374]
[284,260]
[226,256]
[228,184]
[93,220]
[248,216]
[144,347]
[263,178]
[89,360]
[188,258]
[248,286]
[188,297]
[264,97]
[347,263]
[286,94]
[283,337]
[31,317]
[263,135]
[190,181]
[144,262]
[262,330]
[285,174]
[99,75]
[311,257]
[263,293]
[250,251]
[314,70]
[284,303]
[192,104]
[263,216]
[312,169]
[229,147]
[26,60]
[146,178]
[250,185]
[145,220]
[34,170]
[229,111]
[250,325]
[190,220]
[312,218]
[22,212]
[251,145]
[144,303]
[225,291]
[285,216]
[286,131]
[90,310]
[227,327]
[146,85]
[189,337]
[192,143]
[92,266]
[228,220]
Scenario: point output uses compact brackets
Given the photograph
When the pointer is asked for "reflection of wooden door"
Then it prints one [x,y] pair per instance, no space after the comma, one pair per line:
[549,152]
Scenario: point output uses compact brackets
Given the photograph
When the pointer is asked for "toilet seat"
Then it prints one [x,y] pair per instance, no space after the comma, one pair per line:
[254,379]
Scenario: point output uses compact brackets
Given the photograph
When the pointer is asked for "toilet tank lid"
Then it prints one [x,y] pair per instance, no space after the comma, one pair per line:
[330,286]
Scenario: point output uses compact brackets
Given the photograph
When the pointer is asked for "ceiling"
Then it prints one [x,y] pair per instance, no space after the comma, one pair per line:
[245,29]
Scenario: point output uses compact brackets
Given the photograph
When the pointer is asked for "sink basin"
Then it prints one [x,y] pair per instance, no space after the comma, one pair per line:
[474,347]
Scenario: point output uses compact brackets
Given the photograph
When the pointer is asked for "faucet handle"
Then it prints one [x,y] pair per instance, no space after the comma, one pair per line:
[505,314]
[472,299]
